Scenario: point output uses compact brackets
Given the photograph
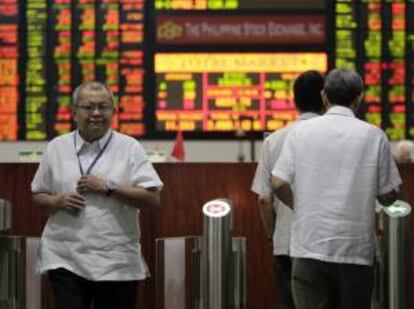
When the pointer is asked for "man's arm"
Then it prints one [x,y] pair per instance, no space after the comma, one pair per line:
[54,202]
[282,191]
[389,178]
[267,214]
[137,197]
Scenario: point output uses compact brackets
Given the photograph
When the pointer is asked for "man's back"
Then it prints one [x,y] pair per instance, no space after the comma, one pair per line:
[337,165]
[272,147]
[338,160]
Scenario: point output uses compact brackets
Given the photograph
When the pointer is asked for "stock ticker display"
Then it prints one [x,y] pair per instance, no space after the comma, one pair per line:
[376,38]
[236,4]
[61,44]
[229,91]
[9,77]
[203,66]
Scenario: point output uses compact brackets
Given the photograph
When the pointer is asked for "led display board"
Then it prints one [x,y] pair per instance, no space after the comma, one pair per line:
[375,38]
[228,91]
[206,65]
[36,104]
[65,43]
[237,4]
[241,29]
[9,77]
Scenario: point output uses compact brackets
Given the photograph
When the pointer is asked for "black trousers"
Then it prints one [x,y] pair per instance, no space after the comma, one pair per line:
[74,292]
[323,285]
[283,270]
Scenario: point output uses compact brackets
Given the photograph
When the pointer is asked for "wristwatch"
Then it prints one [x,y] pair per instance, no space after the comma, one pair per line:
[110,187]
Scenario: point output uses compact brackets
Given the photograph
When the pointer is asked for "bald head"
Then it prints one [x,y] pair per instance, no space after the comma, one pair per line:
[93,86]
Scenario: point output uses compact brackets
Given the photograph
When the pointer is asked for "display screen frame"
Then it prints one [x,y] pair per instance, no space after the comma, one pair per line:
[277,59]
[320,46]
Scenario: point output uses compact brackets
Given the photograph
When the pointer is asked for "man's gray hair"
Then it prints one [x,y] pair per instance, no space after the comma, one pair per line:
[343,86]
[90,85]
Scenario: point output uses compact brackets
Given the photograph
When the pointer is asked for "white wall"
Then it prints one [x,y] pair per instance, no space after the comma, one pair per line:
[196,151]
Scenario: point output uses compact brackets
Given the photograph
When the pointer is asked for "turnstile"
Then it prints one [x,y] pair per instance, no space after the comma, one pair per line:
[391,270]
[20,284]
[396,258]
[207,272]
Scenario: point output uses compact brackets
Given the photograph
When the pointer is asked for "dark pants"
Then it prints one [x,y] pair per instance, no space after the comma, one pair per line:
[74,292]
[283,270]
[322,285]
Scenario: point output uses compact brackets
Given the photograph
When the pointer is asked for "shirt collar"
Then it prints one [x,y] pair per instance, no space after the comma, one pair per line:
[340,110]
[80,142]
[307,115]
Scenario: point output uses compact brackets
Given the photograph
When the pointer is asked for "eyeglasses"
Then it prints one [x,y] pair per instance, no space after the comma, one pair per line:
[91,108]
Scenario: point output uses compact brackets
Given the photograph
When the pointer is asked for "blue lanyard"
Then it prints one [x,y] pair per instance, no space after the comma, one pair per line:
[88,171]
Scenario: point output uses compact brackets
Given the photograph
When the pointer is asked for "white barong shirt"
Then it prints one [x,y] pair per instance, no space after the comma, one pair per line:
[100,242]
[337,166]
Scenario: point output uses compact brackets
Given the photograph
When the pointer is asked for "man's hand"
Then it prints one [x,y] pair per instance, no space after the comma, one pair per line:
[72,202]
[283,191]
[267,214]
[69,201]
[88,183]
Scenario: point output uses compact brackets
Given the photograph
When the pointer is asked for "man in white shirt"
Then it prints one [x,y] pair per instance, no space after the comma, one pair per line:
[337,166]
[93,182]
[276,217]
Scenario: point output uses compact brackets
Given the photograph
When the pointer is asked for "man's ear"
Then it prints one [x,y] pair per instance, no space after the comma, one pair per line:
[325,101]
[361,97]
[358,101]
[73,112]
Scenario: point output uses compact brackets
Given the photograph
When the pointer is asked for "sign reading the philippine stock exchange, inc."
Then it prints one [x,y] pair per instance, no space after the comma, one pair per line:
[241,29]
[216,208]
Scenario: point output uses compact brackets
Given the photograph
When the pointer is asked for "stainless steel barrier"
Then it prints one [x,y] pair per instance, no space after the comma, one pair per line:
[177,272]
[216,286]
[5,216]
[33,278]
[11,273]
[20,284]
[238,276]
[207,272]
[396,251]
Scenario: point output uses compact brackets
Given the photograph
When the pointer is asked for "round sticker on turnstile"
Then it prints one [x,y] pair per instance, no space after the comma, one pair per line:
[398,209]
[216,208]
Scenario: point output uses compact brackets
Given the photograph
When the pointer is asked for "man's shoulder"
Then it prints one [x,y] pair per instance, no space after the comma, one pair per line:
[278,134]
[123,137]
[126,140]
[372,129]
[354,126]
[62,139]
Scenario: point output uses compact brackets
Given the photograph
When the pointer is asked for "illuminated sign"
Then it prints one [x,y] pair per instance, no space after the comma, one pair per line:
[265,29]
[86,40]
[229,91]
[216,208]
[9,77]
[48,47]
[35,81]
[373,37]
[237,4]
[131,68]
[372,71]
[239,62]
[61,41]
